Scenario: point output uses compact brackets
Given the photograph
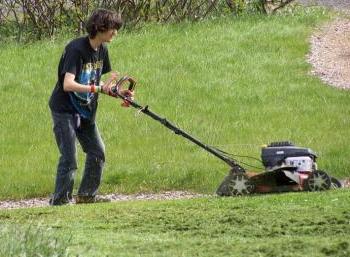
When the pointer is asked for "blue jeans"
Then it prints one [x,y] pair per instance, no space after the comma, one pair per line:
[67,128]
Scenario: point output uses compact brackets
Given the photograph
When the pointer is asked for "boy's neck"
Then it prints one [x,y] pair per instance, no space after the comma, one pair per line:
[95,43]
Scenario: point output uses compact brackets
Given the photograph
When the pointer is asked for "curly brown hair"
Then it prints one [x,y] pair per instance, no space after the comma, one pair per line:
[102,20]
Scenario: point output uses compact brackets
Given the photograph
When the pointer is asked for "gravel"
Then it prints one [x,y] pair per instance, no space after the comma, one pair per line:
[43,202]
[330,54]
[336,4]
[330,46]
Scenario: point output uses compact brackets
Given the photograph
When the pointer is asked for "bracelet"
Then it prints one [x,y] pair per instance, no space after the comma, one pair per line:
[95,89]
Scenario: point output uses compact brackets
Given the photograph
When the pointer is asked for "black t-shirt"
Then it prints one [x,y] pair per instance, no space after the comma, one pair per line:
[88,65]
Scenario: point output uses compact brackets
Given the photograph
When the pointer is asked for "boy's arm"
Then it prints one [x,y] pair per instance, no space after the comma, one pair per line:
[70,85]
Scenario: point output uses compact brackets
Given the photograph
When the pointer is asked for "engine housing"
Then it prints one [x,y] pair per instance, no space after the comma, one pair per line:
[285,153]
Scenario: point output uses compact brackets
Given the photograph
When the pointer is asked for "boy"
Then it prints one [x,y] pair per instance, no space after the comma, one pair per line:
[73,105]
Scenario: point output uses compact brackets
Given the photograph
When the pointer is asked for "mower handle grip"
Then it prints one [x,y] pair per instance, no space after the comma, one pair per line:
[116,90]
[132,83]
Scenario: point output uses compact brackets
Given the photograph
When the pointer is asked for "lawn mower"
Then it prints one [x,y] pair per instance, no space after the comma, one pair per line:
[286,167]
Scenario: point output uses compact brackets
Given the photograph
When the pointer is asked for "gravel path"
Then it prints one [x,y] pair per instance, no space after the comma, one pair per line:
[43,202]
[337,4]
[330,46]
[330,54]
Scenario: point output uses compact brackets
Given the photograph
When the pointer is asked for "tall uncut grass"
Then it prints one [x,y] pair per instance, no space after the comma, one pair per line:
[32,240]
[235,83]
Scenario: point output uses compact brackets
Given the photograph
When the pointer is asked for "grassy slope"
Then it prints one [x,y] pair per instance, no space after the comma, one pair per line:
[234,83]
[298,224]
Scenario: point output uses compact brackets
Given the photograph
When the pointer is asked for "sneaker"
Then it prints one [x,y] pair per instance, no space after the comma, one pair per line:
[57,202]
[81,199]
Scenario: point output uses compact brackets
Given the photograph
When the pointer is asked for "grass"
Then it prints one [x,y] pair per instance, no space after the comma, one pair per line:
[235,83]
[298,224]
[32,240]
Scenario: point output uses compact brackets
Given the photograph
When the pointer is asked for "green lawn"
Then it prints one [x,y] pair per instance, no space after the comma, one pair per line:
[280,225]
[234,82]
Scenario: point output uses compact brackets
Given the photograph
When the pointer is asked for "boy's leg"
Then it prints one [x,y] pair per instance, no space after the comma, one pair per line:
[64,129]
[92,144]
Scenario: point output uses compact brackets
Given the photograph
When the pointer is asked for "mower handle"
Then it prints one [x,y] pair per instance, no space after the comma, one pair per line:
[120,82]
[144,109]
[116,90]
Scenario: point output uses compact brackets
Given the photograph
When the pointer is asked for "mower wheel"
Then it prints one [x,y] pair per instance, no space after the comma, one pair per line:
[240,184]
[335,183]
[318,181]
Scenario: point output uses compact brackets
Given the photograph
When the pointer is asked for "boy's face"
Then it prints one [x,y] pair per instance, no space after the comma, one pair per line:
[107,36]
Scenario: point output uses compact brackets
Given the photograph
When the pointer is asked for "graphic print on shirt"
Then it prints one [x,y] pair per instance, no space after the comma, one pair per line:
[90,75]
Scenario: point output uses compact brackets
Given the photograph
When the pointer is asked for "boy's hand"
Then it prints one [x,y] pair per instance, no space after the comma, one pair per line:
[129,95]
[113,77]
[106,88]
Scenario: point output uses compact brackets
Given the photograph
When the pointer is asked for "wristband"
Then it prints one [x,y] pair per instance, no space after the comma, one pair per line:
[95,89]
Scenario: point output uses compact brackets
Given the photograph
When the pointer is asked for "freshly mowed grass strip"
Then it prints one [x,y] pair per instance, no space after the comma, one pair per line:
[235,83]
[289,225]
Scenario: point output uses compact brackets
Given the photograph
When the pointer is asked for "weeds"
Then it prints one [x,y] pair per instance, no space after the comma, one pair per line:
[32,241]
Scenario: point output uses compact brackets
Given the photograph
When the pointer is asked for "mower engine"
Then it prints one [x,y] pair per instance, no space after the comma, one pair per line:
[288,168]
[282,154]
